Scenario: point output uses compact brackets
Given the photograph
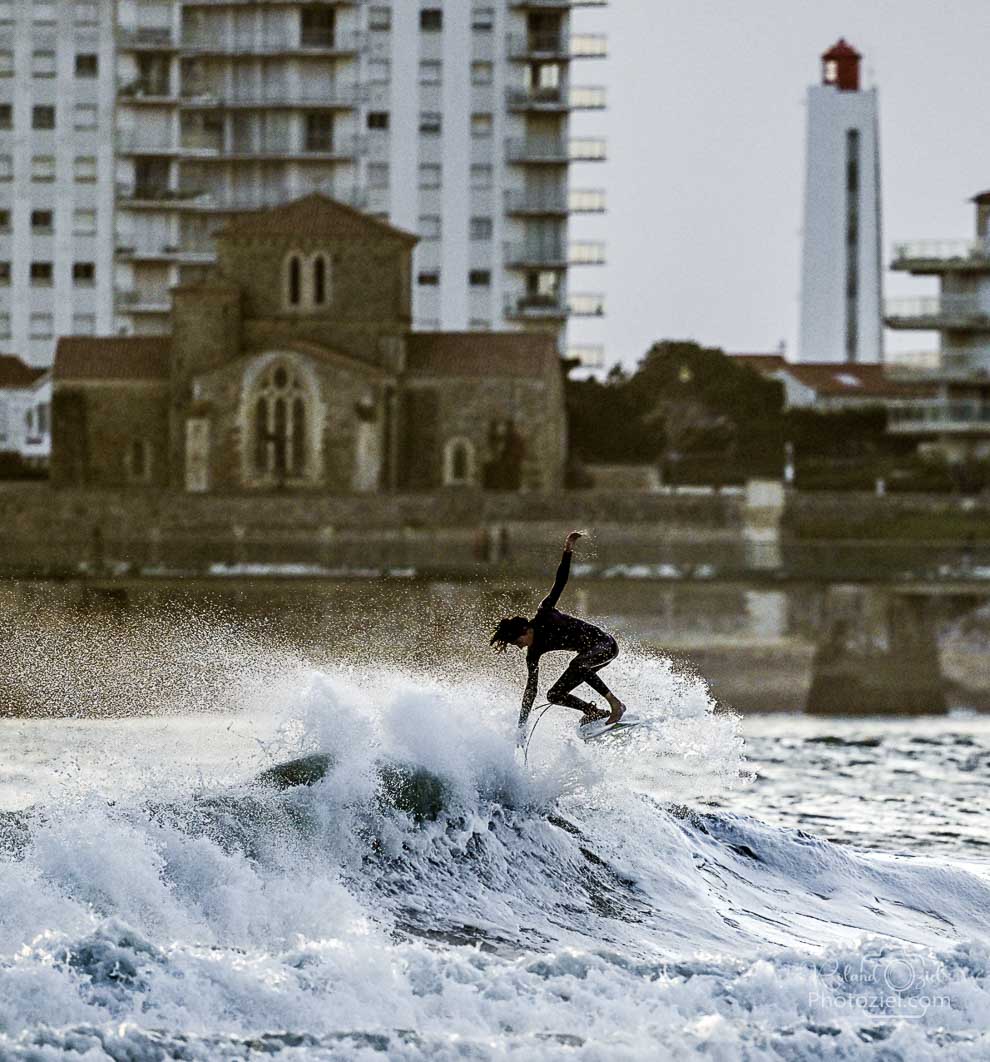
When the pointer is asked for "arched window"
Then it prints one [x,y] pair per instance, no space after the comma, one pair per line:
[458,463]
[321,280]
[280,448]
[293,287]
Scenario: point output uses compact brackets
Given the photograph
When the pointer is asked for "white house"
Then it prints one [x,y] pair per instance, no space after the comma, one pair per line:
[25,410]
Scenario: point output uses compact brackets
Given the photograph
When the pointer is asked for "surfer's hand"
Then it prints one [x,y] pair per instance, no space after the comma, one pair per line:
[571,539]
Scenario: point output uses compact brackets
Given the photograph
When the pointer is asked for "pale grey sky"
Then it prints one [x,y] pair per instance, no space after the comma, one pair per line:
[706,154]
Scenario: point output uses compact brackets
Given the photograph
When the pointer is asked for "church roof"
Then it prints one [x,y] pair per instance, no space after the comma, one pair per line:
[842,49]
[478,354]
[314,215]
[112,358]
[14,374]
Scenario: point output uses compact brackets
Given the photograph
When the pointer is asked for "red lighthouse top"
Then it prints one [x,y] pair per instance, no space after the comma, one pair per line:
[840,66]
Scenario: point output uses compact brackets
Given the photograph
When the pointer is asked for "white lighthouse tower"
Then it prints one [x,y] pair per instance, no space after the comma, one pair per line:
[841,304]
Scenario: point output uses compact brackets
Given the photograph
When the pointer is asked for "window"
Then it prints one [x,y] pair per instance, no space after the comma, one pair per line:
[84,324]
[378,175]
[84,116]
[428,279]
[379,71]
[84,223]
[319,131]
[293,285]
[429,123]
[321,280]
[430,72]
[429,226]
[42,117]
[480,278]
[482,73]
[317,27]
[138,461]
[85,168]
[430,175]
[458,463]
[380,17]
[481,228]
[43,64]
[87,64]
[43,12]
[378,119]
[6,167]
[86,13]
[5,274]
[280,446]
[42,222]
[481,176]
[43,168]
[483,19]
[431,20]
[83,274]
[41,326]
[481,126]
[6,116]
[4,221]
[41,274]
[6,63]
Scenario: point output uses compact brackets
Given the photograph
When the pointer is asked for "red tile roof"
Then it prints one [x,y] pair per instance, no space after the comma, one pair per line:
[112,358]
[313,215]
[15,374]
[838,379]
[479,354]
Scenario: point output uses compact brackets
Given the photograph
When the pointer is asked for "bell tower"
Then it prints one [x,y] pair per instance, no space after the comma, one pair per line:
[841,310]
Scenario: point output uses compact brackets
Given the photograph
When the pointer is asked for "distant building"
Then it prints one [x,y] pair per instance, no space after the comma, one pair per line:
[955,421]
[25,411]
[292,365]
[829,388]
[841,270]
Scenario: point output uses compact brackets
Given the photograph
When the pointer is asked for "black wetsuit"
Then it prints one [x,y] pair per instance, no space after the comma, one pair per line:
[553,630]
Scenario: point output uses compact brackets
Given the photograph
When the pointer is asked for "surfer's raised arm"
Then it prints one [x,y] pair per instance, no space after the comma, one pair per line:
[563,570]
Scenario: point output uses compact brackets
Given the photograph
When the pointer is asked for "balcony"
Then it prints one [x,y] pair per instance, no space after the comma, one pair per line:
[942,256]
[335,97]
[937,313]
[205,201]
[588,149]
[555,150]
[200,254]
[589,98]
[267,3]
[552,100]
[586,252]
[549,202]
[193,43]
[536,256]
[210,149]
[554,45]
[938,416]
[586,305]
[135,301]
[146,39]
[558,5]
[587,201]
[151,93]
[535,308]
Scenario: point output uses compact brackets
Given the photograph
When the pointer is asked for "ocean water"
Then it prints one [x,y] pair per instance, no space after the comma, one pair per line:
[768,888]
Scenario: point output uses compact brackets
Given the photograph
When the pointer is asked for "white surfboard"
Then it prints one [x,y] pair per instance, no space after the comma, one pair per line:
[593,731]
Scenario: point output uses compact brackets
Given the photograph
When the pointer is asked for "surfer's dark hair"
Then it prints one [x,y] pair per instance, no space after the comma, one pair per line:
[507,631]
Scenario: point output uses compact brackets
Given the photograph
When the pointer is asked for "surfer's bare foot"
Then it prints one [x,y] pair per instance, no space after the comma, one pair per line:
[618,709]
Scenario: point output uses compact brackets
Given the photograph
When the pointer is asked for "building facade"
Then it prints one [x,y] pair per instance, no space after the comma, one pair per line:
[25,411]
[292,365]
[956,420]
[841,311]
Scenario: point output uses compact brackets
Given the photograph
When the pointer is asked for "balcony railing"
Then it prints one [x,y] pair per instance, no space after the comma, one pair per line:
[208,44]
[557,45]
[140,142]
[589,98]
[203,200]
[523,201]
[586,305]
[936,312]
[553,149]
[132,300]
[338,96]
[588,149]
[949,252]
[587,201]
[558,4]
[586,252]
[537,99]
[146,39]
[940,415]
[535,307]
[534,255]
[269,3]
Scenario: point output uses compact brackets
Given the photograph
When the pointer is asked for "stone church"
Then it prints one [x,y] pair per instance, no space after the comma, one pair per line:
[294,366]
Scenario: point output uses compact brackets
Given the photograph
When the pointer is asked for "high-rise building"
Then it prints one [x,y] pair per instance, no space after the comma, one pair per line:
[130,130]
[56,173]
[841,312]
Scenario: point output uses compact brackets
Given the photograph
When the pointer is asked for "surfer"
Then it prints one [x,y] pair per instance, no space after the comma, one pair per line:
[550,630]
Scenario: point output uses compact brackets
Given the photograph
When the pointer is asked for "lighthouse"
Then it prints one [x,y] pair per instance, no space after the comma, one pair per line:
[841,307]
